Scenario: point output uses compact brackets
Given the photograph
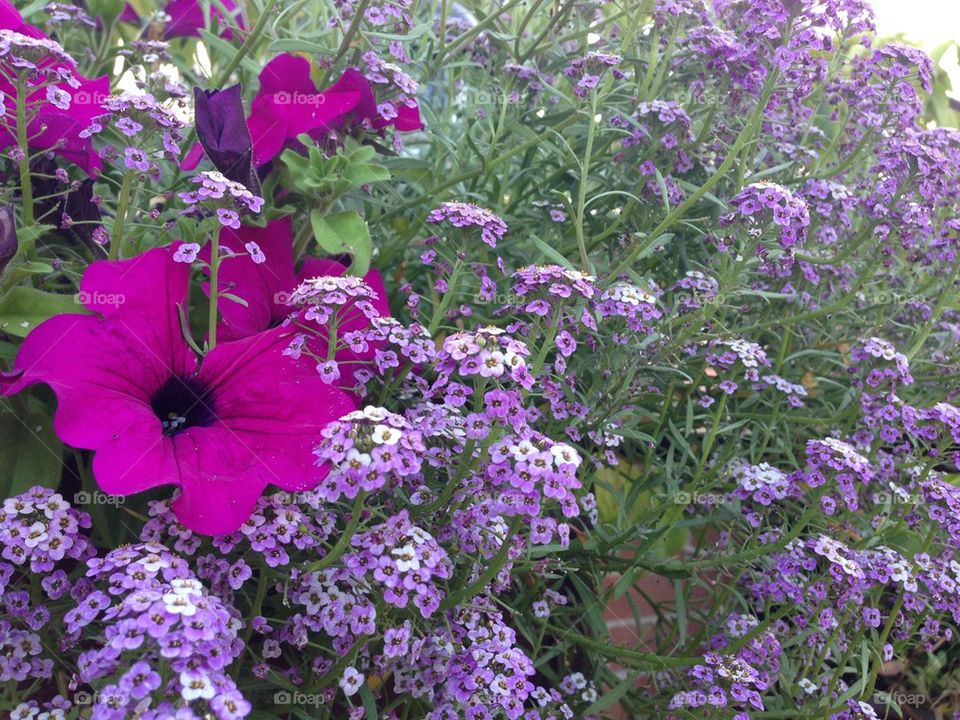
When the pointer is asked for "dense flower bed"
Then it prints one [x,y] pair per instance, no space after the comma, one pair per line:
[360,357]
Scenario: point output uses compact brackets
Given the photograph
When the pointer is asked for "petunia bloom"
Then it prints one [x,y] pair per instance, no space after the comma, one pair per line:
[223,135]
[130,388]
[187,18]
[61,110]
[266,282]
[288,104]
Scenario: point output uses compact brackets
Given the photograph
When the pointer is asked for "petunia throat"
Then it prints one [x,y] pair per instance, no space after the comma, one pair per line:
[182,403]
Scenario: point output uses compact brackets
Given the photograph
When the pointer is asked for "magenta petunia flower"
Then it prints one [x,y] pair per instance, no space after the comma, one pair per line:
[130,388]
[65,109]
[266,282]
[187,18]
[289,104]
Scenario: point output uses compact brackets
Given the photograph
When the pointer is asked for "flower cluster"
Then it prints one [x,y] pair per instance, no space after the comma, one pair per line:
[759,203]
[368,449]
[138,120]
[474,662]
[461,215]
[227,198]
[40,528]
[404,559]
[588,69]
[144,612]
[488,352]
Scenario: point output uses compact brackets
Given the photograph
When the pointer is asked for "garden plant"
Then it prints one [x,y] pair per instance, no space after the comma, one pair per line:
[524,359]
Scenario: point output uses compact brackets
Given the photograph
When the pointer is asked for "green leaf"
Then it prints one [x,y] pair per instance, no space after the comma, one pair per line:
[32,233]
[551,253]
[294,45]
[365,173]
[344,232]
[34,267]
[611,696]
[24,308]
[235,298]
[369,704]
[30,452]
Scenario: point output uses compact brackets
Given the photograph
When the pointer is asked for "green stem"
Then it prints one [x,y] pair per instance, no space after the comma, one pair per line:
[447,298]
[262,584]
[497,563]
[584,179]
[123,202]
[347,39]
[26,189]
[214,290]
[302,240]
[711,438]
[472,32]
[678,212]
[546,346]
[247,46]
[946,297]
[337,550]
[891,619]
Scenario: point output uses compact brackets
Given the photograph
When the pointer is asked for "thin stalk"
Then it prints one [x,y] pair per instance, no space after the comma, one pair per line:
[26,189]
[678,212]
[444,305]
[214,308]
[584,179]
[123,202]
[262,586]
[347,38]
[344,542]
[248,44]
[946,297]
[302,240]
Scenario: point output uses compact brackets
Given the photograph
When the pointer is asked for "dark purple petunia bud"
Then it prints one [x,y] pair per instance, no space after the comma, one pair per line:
[80,207]
[222,131]
[8,236]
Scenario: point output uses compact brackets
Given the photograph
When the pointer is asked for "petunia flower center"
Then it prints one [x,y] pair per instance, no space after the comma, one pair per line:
[182,403]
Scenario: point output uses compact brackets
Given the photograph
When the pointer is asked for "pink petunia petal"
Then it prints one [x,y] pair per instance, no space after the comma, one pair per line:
[270,412]
[263,286]
[103,372]
[288,104]
[138,284]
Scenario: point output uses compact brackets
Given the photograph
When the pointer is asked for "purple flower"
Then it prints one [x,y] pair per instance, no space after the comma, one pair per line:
[136,159]
[140,680]
[351,681]
[167,418]
[222,131]
[460,215]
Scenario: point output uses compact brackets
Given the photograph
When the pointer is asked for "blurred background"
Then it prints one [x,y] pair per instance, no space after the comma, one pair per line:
[933,25]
